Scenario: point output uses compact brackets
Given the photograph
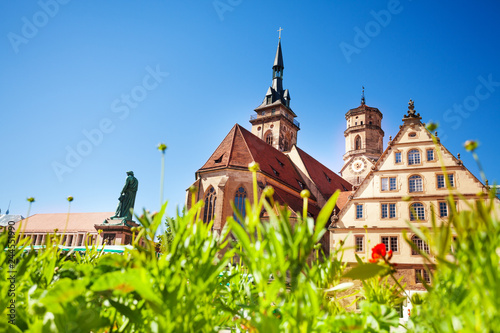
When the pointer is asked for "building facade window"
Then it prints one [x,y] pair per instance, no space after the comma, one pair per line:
[357,142]
[420,244]
[269,138]
[430,155]
[388,210]
[210,201]
[441,180]
[422,275]
[239,203]
[388,184]
[359,211]
[443,209]
[413,157]
[397,157]
[391,243]
[359,242]
[415,184]
[417,212]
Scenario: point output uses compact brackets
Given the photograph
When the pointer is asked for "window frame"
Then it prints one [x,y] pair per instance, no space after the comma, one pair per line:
[451,179]
[356,245]
[433,154]
[442,204]
[417,217]
[420,244]
[422,272]
[239,203]
[269,137]
[210,199]
[356,211]
[388,208]
[412,152]
[388,180]
[421,184]
[389,245]
[396,154]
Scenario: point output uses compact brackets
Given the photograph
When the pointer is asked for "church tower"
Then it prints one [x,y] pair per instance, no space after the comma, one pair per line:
[275,121]
[363,141]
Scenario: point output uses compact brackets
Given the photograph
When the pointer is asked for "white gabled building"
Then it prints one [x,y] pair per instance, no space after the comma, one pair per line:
[402,185]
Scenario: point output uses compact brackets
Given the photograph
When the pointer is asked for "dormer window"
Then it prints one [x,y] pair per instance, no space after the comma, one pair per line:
[280,163]
[269,99]
[412,135]
[219,159]
[302,186]
[327,178]
[276,173]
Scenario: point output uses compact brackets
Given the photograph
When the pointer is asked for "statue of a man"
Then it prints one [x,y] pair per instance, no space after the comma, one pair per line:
[127,198]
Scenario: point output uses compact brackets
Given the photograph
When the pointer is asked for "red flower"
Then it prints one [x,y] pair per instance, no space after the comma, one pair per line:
[389,255]
[378,252]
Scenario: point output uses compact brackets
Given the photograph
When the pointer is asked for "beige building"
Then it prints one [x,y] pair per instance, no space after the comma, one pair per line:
[377,212]
[76,229]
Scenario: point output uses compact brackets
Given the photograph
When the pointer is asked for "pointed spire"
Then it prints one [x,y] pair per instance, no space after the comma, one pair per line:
[278,60]
[363,96]
[278,68]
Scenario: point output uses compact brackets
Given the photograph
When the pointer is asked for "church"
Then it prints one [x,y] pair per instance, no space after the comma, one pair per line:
[380,189]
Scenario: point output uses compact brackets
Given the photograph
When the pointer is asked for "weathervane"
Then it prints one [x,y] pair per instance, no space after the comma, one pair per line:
[280,30]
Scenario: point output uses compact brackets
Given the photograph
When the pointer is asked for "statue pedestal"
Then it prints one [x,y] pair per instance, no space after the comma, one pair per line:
[117,231]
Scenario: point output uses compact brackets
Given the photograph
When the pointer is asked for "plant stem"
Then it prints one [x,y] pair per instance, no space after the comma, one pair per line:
[162,177]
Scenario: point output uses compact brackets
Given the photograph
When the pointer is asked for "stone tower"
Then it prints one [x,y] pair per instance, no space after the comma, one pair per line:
[363,141]
[275,121]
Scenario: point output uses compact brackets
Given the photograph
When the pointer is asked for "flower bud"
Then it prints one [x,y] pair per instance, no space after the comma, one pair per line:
[431,127]
[162,147]
[305,194]
[268,191]
[31,199]
[389,255]
[254,166]
[471,145]
[70,198]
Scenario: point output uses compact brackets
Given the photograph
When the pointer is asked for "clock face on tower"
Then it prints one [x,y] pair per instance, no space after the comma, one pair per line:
[358,165]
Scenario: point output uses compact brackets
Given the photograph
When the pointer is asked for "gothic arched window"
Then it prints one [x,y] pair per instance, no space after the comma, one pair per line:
[413,157]
[239,203]
[269,138]
[415,184]
[210,200]
[357,143]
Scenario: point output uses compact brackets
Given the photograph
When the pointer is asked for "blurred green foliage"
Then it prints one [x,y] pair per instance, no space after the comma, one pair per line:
[256,276]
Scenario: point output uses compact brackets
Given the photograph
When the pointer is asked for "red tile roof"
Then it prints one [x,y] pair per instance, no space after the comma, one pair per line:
[343,198]
[294,202]
[325,179]
[77,222]
[240,147]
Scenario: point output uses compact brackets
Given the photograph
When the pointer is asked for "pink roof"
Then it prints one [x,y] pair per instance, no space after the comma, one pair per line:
[77,222]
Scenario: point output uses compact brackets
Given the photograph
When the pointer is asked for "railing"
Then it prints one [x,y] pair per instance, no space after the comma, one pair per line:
[265,114]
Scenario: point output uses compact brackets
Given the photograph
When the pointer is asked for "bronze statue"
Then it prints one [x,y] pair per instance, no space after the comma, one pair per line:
[127,198]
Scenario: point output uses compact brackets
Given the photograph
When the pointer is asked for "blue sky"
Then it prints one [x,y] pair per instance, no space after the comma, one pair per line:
[110,80]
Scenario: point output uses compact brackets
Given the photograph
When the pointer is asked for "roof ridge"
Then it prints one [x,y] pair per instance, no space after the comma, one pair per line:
[231,147]
[245,142]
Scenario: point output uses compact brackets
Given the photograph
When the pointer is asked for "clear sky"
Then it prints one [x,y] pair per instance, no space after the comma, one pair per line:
[89,88]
